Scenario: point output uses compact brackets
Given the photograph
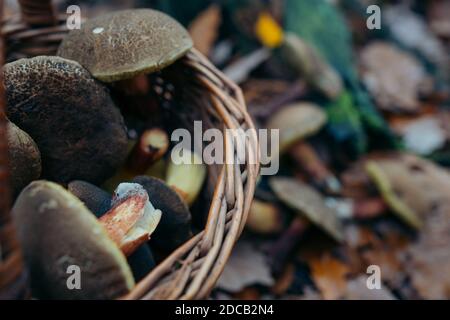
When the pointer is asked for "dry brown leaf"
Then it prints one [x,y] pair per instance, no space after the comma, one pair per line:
[247,266]
[329,275]
[428,261]
[205,28]
[394,77]
[438,13]
[357,290]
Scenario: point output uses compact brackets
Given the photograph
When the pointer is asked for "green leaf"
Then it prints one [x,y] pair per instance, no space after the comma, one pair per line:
[345,125]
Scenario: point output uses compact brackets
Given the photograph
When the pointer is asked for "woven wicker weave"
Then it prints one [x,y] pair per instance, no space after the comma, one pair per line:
[193,269]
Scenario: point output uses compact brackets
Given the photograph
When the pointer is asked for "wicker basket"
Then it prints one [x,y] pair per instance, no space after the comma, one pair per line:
[192,270]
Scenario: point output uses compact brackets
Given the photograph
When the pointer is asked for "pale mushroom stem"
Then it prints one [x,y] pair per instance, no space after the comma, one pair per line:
[286,244]
[151,147]
[308,160]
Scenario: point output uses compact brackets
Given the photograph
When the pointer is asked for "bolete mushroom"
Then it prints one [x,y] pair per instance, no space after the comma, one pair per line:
[70,116]
[132,218]
[94,198]
[310,207]
[309,203]
[297,122]
[186,174]
[396,184]
[175,226]
[25,158]
[264,218]
[58,234]
[98,201]
[125,44]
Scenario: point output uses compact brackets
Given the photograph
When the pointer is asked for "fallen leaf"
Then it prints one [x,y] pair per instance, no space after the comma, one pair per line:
[205,28]
[239,70]
[424,136]
[428,261]
[247,266]
[438,13]
[357,289]
[329,275]
[394,77]
[410,30]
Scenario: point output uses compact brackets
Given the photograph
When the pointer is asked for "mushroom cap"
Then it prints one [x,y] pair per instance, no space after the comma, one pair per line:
[405,186]
[305,200]
[57,231]
[70,116]
[123,44]
[25,158]
[97,200]
[141,262]
[297,122]
[175,226]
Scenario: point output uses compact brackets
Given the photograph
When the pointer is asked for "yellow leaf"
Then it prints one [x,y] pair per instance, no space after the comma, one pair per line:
[269,31]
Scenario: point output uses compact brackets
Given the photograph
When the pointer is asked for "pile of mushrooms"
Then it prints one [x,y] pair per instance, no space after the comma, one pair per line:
[70,147]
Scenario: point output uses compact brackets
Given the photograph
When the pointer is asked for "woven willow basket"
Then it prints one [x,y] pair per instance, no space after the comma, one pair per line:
[192,270]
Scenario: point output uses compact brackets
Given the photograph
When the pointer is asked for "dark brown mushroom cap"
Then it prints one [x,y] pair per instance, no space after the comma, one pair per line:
[70,116]
[56,231]
[123,44]
[97,200]
[25,158]
[175,226]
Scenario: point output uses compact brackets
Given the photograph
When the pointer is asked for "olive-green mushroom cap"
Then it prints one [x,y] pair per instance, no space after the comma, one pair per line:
[57,231]
[71,117]
[297,122]
[308,202]
[123,44]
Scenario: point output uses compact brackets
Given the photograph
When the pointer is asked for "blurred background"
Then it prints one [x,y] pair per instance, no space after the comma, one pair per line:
[360,95]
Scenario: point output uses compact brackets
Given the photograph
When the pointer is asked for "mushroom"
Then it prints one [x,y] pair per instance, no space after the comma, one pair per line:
[95,199]
[151,147]
[98,201]
[175,226]
[25,158]
[264,218]
[392,180]
[301,57]
[306,61]
[311,208]
[70,116]
[123,45]
[297,122]
[141,262]
[56,232]
[309,203]
[132,218]
[186,174]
